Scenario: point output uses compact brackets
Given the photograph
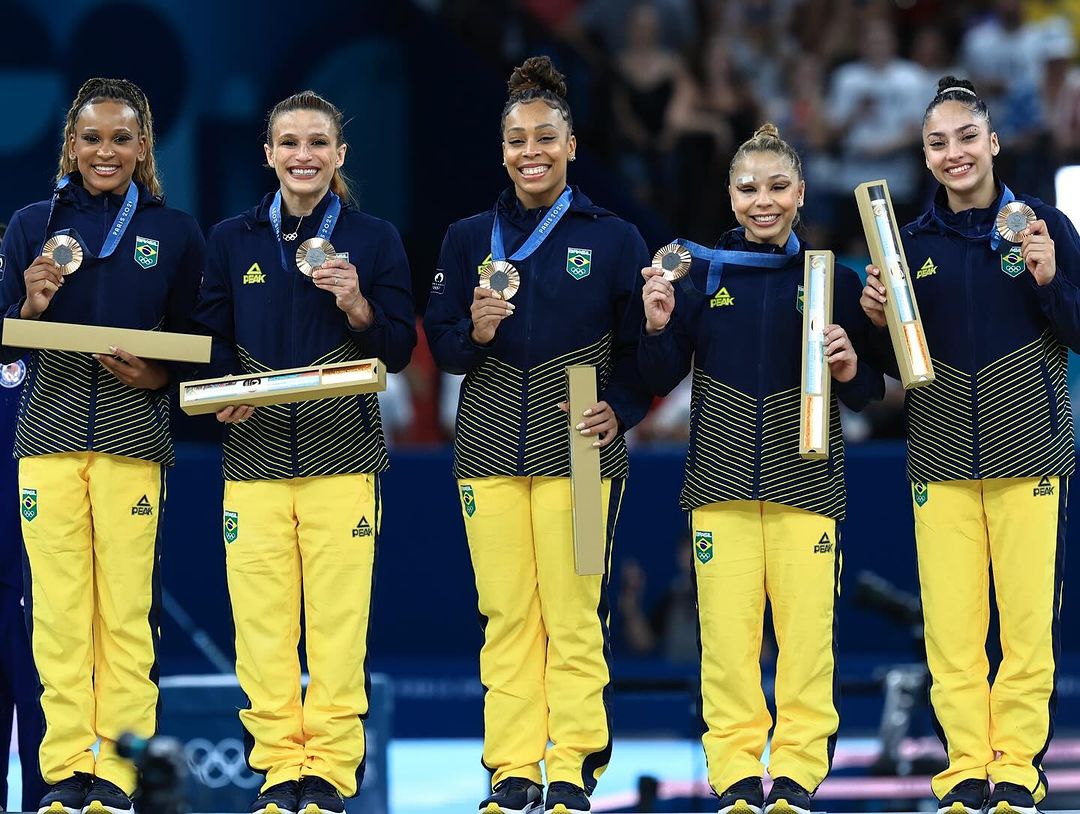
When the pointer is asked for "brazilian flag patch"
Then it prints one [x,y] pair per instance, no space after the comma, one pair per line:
[578,263]
[1012,262]
[28,504]
[921,492]
[703,546]
[230,526]
[800,298]
[146,252]
[468,500]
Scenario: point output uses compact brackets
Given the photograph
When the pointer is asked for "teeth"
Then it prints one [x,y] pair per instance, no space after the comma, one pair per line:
[303,172]
[958,170]
[534,170]
[105,168]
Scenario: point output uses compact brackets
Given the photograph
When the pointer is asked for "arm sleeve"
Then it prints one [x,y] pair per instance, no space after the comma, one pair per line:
[626,392]
[448,322]
[1060,298]
[17,254]
[664,358]
[214,314]
[868,384]
[183,294]
[392,334]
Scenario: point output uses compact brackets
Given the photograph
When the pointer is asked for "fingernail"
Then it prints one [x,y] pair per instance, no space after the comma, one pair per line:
[587,412]
[580,426]
[112,348]
[584,432]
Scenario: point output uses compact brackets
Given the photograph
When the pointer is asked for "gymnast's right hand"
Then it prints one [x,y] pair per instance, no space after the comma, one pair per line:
[658,295]
[488,310]
[43,280]
[873,297]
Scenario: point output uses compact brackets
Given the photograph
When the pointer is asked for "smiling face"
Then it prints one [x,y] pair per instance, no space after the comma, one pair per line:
[960,148]
[304,153]
[106,145]
[766,193]
[537,143]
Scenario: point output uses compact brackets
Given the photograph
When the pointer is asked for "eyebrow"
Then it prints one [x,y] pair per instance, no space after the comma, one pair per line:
[92,129]
[310,135]
[539,126]
[959,129]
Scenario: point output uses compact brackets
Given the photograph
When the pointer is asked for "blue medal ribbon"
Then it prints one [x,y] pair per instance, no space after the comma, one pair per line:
[718,258]
[326,228]
[539,234]
[116,232]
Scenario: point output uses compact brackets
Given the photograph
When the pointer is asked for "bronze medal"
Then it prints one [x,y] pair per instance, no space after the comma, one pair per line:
[1014,218]
[312,253]
[501,277]
[673,260]
[65,251]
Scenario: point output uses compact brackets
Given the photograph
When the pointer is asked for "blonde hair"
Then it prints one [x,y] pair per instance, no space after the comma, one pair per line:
[100,89]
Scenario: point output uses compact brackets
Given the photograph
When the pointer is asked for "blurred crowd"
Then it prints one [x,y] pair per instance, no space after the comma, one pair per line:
[664,91]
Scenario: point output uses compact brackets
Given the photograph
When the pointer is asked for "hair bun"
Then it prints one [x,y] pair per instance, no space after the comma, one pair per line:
[538,73]
[767,130]
[954,83]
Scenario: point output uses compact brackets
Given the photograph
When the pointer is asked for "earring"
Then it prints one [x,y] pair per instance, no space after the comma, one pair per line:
[573,157]
[504,163]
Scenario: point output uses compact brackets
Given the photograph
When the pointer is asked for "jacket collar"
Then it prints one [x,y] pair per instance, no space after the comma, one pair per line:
[735,240]
[261,212]
[76,195]
[510,207]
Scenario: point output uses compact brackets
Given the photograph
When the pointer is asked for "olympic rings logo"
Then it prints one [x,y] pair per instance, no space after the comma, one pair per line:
[221,764]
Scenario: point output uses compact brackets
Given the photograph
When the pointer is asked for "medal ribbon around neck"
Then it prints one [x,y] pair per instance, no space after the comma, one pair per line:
[326,228]
[539,235]
[994,236]
[116,231]
[718,258]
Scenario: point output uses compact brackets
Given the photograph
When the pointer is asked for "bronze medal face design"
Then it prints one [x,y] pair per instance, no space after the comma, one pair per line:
[312,254]
[65,251]
[1013,218]
[501,277]
[673,260]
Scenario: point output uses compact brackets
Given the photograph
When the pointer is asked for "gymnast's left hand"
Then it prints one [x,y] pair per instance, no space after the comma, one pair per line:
[598,421]
[839,353]
[142,374]
[338,276]
[1038,251]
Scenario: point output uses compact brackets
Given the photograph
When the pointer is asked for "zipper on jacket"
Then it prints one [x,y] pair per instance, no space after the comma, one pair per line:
[759,406]
[527,290]
[970,296]
[293,429]
[95,366]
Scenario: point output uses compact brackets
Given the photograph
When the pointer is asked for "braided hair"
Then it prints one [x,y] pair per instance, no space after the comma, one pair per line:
[100,89]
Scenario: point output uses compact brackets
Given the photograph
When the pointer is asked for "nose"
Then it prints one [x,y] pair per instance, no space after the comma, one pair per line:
[762,198]
[303,152]
[532,147]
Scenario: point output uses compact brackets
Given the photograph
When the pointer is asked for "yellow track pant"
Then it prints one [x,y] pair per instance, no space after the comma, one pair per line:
[545,663]
[309,538]
[962,528]
[92,523]
[744,552]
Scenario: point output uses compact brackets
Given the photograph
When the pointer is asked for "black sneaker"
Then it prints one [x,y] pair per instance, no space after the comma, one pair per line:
[514,795]
[106,798]
[787,797]
[1010,798]
[280,798]
[566,798]
[317,796]
[742,797]
[68,796]
[966,797]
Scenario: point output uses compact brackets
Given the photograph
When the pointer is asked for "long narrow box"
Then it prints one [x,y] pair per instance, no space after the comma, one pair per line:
[162,345]
[585,491]
[901,310]
[815,406]
[283,386]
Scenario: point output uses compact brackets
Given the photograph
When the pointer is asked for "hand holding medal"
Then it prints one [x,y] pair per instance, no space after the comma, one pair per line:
[338,276]
[43,279]
[1018,224]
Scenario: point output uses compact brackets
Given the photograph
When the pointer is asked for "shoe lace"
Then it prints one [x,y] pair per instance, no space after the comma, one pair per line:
[787,785]
[285,785]
[515,784]
[79,780]
[100,784]
[562,787]
[971,784]
[747,784]
[317,785]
